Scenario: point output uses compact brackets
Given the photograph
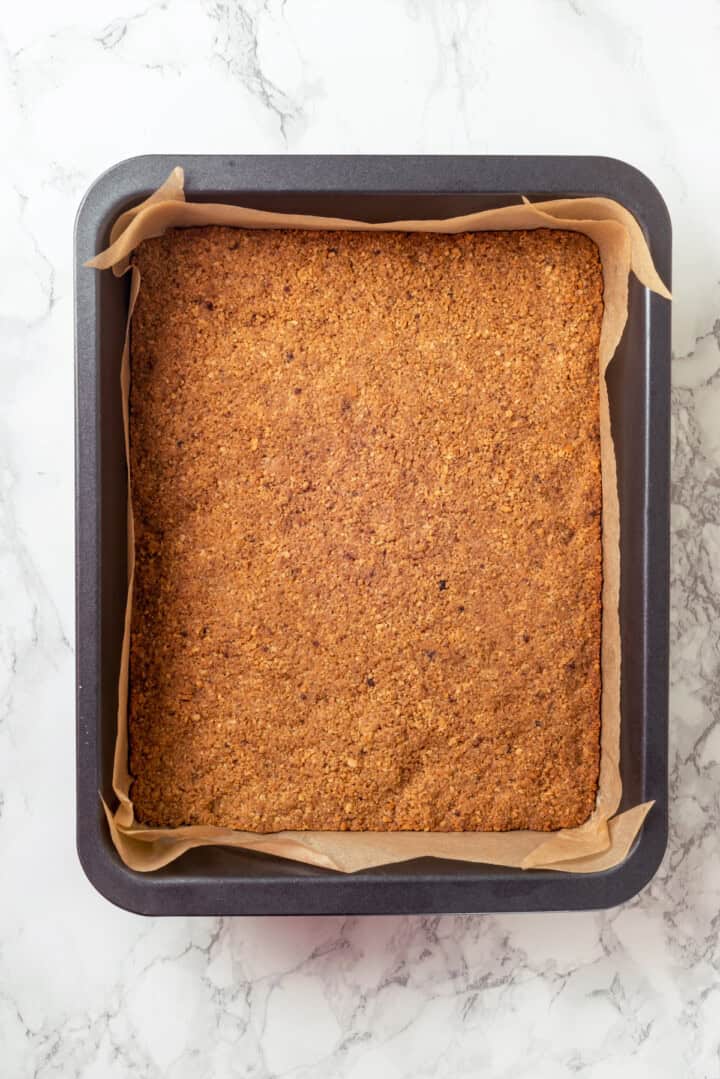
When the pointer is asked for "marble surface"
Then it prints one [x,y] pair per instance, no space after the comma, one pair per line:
[87,990]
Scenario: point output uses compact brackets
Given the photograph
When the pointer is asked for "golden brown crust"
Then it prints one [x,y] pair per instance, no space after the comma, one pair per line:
[367,493]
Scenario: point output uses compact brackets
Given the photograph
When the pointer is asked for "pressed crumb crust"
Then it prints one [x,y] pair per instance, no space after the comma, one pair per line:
[366,485]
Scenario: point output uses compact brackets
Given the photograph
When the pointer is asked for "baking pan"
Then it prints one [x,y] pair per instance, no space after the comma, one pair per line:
[224,881]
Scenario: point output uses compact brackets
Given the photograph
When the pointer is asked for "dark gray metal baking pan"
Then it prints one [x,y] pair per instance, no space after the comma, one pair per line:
[222,881]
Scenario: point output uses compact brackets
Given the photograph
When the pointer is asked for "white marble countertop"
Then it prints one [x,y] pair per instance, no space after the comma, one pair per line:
[87,990]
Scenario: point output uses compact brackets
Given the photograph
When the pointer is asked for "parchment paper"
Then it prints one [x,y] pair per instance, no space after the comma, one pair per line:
[604,840]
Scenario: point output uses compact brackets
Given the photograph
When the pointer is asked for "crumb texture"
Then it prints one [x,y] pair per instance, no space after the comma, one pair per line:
[366,484]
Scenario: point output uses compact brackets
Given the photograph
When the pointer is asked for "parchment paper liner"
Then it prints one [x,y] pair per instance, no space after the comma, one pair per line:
[604,840]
